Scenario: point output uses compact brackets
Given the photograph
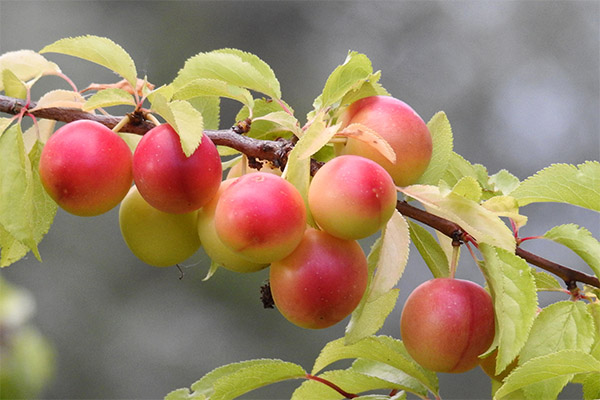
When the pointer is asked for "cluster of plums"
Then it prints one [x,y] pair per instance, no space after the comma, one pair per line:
[257,220]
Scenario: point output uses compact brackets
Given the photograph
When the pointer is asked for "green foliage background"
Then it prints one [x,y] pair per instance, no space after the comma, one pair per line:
[518,82]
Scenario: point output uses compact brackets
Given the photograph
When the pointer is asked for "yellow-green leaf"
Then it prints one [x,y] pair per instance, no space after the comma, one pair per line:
[441,135]
[108,98]
[26,64]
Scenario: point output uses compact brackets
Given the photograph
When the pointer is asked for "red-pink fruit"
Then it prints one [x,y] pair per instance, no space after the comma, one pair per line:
[213,246]
[170,181]
[352,197]
[447,323]
[261,216]
[401,127]
[86,168]
[321,282]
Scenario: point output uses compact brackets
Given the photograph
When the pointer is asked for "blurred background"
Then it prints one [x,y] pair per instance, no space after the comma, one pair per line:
[518,80]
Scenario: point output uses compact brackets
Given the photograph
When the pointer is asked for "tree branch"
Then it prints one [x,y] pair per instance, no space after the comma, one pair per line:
[276,151]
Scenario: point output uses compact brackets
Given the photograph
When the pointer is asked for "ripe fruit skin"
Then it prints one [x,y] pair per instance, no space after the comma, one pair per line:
[401,127]
[86,168]
[261,216]
[352,197]
[321,282]
[170,181]
[447,323]
[213,246]
[155,237]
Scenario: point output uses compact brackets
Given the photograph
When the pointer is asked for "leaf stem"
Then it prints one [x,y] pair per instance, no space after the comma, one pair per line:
[332,385]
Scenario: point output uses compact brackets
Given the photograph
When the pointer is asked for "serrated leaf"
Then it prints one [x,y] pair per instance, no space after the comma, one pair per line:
[60,98]
[11,250]
[26,64]
[99,50]
[355,70]
[393,256]
[370,87]
[390,374]
[479,222]
[456,169]
[430,250]
[369,316]
[284,120]
[262,129]
[505,206]
[13,86]
[184,118]
[545,281]
[563,183]
[213,87]
[562,364]
[580,240]
[441,135]
[469,188]
[377,348]
[233,380]
[109,98]
[232,66]
[370,137]
[515,300]
[504,182]
[210,108]
[591,387]
[560,326]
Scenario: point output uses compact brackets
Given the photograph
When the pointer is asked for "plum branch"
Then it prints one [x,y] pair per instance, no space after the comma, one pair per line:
[276,151]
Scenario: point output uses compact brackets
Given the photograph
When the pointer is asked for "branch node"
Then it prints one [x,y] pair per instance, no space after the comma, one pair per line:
[242,127]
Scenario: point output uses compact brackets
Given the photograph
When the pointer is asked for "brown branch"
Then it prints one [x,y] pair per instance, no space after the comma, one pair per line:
[276,151]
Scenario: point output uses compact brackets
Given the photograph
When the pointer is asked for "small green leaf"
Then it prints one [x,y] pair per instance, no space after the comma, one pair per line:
[11,250]
[26,64]
[355,70]
[430,250]
[441,135]
[232,66]
[369,316]
[563,183]
[263,129]
[542,369]
[469,188]
[4,124]
[370,87]
[456,169]
[99,50]
[233,380]
[284,120]
[184,118]
[580,240]
[504,182]
[13,86]
[210,108]
[545,281]
[515,300]
[505,206]
[377,348]
[60,98]
[108,98]
[213,87]
[390,374]
[480,223]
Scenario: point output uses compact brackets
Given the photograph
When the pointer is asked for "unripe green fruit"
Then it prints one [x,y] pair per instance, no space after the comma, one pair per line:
[86,168]
[170,181]
[155,237]
[401,127]
[261,216]
[447,323]
[352,197]
[321,282]
[213,246]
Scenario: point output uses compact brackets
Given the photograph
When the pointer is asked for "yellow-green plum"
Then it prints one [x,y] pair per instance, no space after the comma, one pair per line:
[213,246]
[352,197]
[321,282]
[397,123]
[169,180]
[447,323]
[86,168]
[157,238]
[261,216]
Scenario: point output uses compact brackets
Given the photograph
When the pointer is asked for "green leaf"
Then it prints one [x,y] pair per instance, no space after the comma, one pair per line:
[430,250]
[542,369]
[131,139]
[392,258]
[390,374]
[580,240]
[233,380]
[469,188]
[504,182]
[505,206]
[11,250]
[108,98]
[232,66]
[183,394]
[184,118]
[456,169]
[285,121]
[4,124]
[563,183]
[545,281]
[60,98]
[480,223]
[377,348]
[213,87]
[591,387]
[210,108]
[441,135]
[99,50]
[355,70]
[370,87]
[263,129]
[26,64]
[369,316]
[515,300]
[13,86]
